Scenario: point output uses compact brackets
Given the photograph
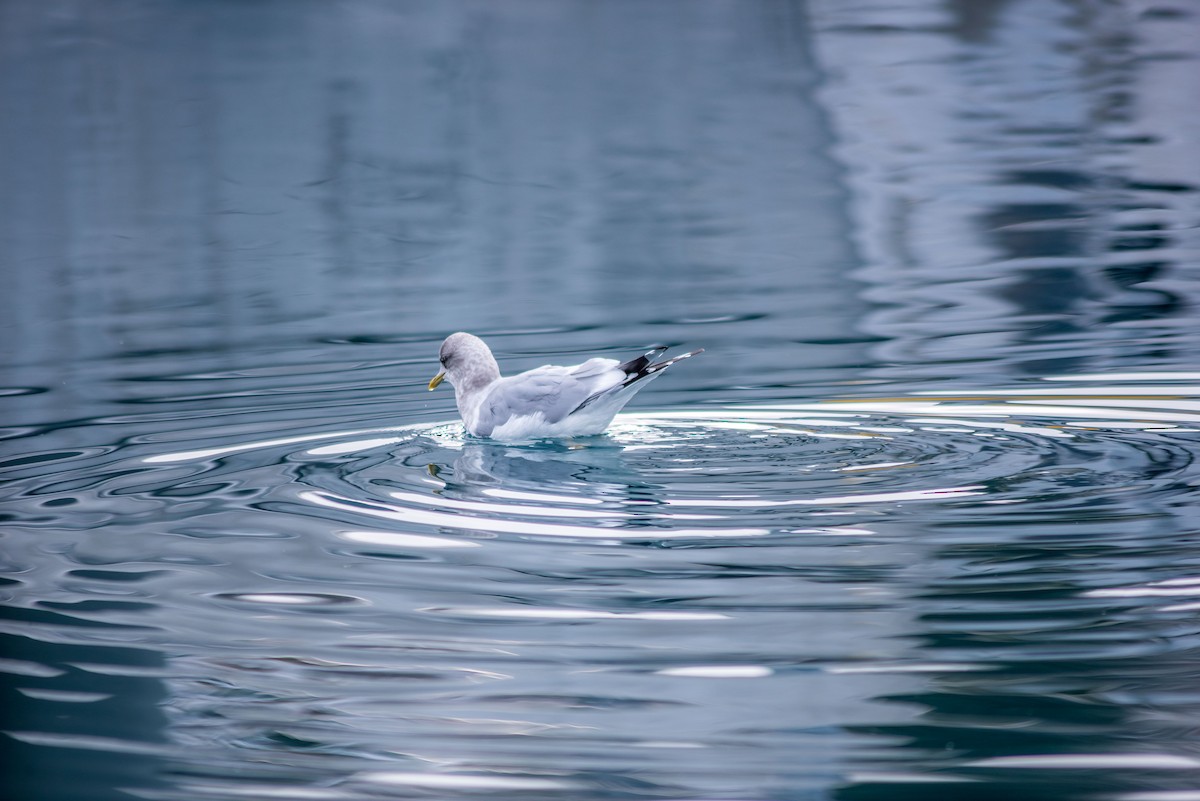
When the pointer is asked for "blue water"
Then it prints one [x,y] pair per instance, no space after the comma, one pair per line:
[921,523]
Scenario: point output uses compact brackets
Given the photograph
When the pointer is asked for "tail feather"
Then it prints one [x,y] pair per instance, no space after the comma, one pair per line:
[651,369]
[637,369]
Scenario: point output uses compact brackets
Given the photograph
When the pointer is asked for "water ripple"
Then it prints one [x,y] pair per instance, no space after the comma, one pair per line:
[418,606]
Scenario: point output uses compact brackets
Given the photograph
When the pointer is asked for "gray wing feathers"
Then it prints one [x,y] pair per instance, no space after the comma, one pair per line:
[553,391]
[590,368]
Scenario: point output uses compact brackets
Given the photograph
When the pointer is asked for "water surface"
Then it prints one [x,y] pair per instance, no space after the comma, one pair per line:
[920,523]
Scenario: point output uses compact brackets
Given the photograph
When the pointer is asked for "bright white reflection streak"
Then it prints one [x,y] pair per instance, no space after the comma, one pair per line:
[549,613]
[719,671]
[873,466]
[394,539]
[1104,392]
[1103,761]
[767,413]
[1127,377]
[277,598]
[1167,588]
[351,447]
[470,523]
[974,425]
[497,492]
[1041,408]
[500,508]
[1137,403]
[881,497]
[463,781]
[209,453]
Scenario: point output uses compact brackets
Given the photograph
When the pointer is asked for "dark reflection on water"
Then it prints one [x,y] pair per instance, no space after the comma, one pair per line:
[69,710]
[919,524]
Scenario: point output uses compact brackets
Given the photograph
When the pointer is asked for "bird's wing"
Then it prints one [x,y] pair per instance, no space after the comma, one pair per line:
[554,392]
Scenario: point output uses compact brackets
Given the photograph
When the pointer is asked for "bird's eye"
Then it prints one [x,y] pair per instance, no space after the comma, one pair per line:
[443,361]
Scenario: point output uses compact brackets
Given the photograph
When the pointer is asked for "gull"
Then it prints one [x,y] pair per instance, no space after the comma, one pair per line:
[546,402]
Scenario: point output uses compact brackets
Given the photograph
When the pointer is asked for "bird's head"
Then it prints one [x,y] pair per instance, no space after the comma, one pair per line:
[466,360]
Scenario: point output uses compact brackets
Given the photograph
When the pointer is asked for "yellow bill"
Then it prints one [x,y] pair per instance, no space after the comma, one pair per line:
[437,379]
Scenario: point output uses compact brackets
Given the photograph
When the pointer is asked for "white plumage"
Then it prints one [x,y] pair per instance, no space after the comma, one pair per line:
[546,402]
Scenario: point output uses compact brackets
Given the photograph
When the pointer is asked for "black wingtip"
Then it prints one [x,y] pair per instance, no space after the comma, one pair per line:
[638,365]
[642,366]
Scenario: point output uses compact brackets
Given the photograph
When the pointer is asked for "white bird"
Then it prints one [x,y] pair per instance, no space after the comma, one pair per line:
[546,402]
